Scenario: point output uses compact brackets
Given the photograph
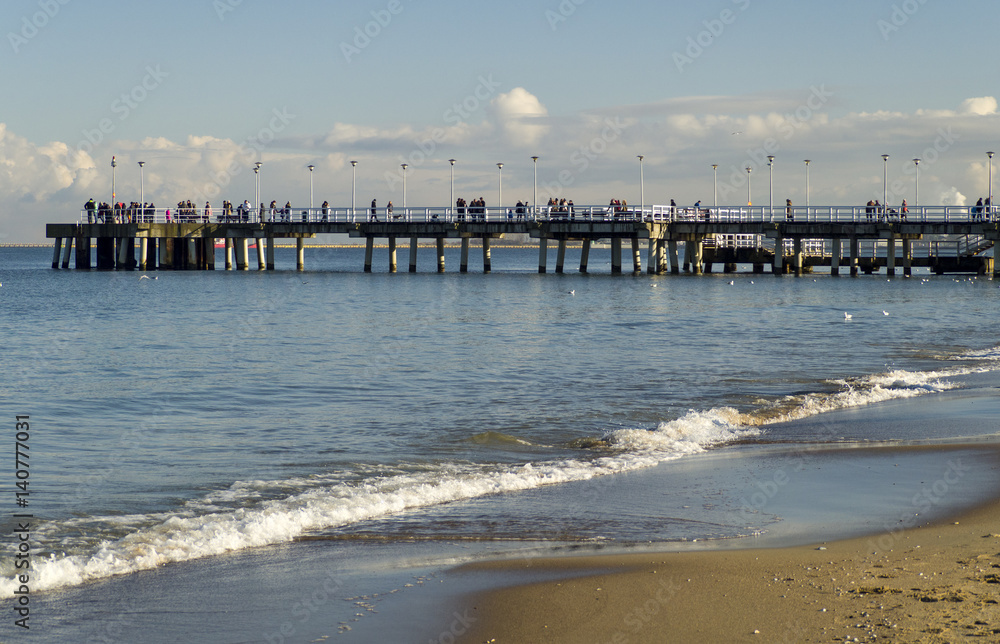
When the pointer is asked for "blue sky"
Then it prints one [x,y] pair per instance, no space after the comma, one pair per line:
[584,84]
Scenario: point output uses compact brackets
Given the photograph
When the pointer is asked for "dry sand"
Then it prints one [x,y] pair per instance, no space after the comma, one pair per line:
[936,583]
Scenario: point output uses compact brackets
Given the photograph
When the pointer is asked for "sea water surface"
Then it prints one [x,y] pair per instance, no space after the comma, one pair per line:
[183,416]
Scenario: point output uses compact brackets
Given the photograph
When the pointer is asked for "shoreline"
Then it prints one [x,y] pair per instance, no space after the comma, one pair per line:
[930,583]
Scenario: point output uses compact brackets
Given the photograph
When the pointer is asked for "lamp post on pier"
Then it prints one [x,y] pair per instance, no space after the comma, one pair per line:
[534,189]
[142,199]
[452,202]
[715,184]
[256,199]
[114,201]
[749,200]
[807,161]
[354,185]
[404,166]
[311,168]
[642,194]
[500,188]
[885,176]
[770,184]
[989,197]
[916,183]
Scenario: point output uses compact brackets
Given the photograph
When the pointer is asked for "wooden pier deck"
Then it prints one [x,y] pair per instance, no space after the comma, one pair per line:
[842,238]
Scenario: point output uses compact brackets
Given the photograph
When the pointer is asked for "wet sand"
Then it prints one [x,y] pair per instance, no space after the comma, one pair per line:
[932,583]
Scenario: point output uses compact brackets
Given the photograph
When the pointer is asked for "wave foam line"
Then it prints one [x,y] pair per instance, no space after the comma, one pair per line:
[182,538]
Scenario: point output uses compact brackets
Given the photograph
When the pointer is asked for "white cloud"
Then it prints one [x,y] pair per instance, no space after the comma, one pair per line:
[521,117]
[982,106]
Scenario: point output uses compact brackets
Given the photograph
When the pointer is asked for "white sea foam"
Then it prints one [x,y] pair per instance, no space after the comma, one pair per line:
[258,513]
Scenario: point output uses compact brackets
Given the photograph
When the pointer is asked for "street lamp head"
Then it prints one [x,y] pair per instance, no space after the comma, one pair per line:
[989,154]
[311,167]
[535,159]
[114,163]
[404,166]
[451,161]
[354,164]
[770,159]
[641,157]
[257,165]
[500,166]
[256,169]
[916,162]
[749,169]
[808,161]
[715,166]
[142,163]
[885,157]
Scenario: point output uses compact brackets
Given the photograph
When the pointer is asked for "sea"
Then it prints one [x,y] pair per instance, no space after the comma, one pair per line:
[285,456]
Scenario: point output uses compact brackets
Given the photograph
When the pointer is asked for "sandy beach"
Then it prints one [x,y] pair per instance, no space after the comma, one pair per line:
[938,582]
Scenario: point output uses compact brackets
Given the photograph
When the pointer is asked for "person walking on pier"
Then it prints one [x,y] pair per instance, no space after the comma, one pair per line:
[788,211]
[903,209]
[326,211]
[374,213]
[869,208]
[91,209]
[208,212]
[977,210]
[388,212]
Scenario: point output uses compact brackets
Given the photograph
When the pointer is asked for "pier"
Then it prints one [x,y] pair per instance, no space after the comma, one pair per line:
[947,239]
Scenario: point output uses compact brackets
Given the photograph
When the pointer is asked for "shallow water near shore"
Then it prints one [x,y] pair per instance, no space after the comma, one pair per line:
[213,444]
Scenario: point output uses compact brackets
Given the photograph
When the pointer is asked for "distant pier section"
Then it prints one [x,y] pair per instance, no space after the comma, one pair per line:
[947,239]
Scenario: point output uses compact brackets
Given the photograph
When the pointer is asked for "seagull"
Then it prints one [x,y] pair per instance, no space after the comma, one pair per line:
[573,292]
[885,313]
[736,133]
[653,285]
[847,316]
[731,282]
[144,277]
[751,281]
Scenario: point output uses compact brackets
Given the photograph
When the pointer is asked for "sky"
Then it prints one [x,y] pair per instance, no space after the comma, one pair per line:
[199,90]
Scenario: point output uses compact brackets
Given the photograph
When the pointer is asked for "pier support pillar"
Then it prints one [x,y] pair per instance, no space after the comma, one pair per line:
[661,257]
[439,247]
[542,253]
[636,256]
[675,266]
[487,260]
[66,252]
[585,255]
[853,261]
[209,245]
[651,256]
[191,255]
[105,253]
[688,254]
[616,255]
[228,259]
[907,256]
[270,253]
[261,260]
[83,252]
[125,244]
[798,256]
[413,254]
[560,255]
[143,249]
[369,247]
[242,250]
[463,266]
[55,253]
[835,257]
[696,261]
[166,248]
[779,256]
[300,254]
[392,254]
[890,256]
